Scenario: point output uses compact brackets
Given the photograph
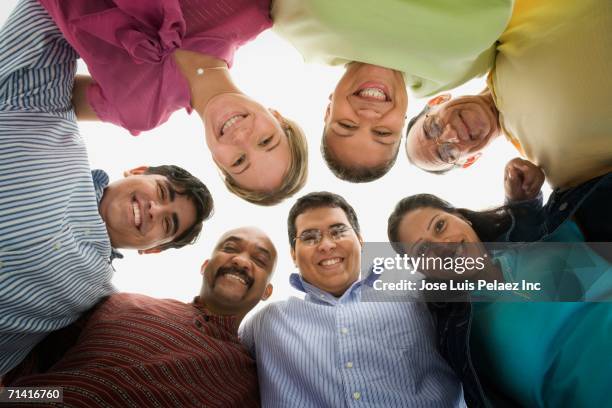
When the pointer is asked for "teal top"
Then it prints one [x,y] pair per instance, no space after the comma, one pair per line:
[546,354]
[438,44]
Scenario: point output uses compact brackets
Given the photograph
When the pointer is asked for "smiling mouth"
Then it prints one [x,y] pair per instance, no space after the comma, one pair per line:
[231,122]
[236,274]
[331,262]
[373,94]
[137,213]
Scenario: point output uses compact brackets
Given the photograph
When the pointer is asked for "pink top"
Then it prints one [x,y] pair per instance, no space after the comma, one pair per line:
[127,46]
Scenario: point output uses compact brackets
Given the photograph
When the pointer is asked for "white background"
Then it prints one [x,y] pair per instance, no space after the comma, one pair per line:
[272,72]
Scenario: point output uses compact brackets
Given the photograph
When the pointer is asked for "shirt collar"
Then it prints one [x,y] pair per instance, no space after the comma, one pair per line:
[100,181]
[230,323]
[320,296]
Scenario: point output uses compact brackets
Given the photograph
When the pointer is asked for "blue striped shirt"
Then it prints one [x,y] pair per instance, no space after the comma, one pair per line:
[324,351]
[54,249]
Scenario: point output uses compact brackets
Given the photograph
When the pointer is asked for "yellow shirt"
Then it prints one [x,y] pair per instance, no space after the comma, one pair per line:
[553,88]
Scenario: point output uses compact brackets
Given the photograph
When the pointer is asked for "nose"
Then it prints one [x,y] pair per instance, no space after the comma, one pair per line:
[449,135]
[369,113]
[242,261]
[158,210]
[451,238]
[326,244]
[241,132]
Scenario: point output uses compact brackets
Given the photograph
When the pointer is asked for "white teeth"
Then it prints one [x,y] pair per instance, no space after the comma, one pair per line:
[136,210]
[236,277]
[331,261]
[230,122]
[373,93]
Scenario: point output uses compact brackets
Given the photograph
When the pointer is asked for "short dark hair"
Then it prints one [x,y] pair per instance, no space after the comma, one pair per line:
[355,174]
[489,225]
[411,123]
[317,200]
[186,184]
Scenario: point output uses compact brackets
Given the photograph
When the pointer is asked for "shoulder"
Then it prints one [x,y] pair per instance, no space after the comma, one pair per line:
[272,314]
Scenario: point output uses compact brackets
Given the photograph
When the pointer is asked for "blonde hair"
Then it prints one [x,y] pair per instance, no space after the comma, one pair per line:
[294,179]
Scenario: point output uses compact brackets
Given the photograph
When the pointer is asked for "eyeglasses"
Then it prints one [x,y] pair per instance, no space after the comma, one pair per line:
[449,152]
[314,236]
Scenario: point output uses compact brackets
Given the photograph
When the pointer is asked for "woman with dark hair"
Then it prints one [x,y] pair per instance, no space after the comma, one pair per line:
[148,59]
[531,354]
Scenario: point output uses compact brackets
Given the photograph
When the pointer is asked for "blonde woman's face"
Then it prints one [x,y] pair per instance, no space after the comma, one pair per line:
[247,141]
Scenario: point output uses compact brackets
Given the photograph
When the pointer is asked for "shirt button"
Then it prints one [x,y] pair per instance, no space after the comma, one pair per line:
[356,395]
[198,323]
[57,246]
[344,330]
[563,206]
[349,364]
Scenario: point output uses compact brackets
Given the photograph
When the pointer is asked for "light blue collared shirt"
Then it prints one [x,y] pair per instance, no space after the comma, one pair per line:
[55,253]
[324,351]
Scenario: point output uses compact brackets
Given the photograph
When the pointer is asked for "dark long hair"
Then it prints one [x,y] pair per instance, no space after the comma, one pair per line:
[489,225]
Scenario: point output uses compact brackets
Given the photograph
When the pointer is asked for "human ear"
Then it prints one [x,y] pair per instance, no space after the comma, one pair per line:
[155,250]
[203,267]
[437,100]
[267,292]
[278,117]
[471,160]
[293,257]
[135,171]
[327,111]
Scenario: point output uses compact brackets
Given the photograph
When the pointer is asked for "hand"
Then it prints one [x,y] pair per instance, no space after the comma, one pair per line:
[522,180]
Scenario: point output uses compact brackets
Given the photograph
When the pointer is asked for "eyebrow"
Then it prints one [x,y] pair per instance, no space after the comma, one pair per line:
[268,150]
[171,190]
[274,146]
[175,223]
[172,195]
[267,253]
[231,238]
[338,224]
[331,130]
[431,221]
[383,143]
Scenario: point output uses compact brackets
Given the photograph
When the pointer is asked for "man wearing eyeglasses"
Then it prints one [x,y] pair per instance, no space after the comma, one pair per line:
[332,350]
[548,92]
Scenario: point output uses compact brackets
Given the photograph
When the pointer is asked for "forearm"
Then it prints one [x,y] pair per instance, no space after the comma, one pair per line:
[81,105]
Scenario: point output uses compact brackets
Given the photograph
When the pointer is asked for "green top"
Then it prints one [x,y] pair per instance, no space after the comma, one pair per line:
[438,44]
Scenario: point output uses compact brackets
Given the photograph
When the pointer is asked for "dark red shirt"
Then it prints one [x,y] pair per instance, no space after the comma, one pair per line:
[143,352]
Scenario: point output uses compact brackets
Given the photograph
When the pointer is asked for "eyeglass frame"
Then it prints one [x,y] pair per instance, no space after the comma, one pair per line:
[321,234]
[437,141]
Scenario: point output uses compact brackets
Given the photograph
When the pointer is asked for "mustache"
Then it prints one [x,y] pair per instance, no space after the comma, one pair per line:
[235,270]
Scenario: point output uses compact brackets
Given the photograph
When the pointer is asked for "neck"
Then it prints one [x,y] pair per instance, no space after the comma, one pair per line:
[220,310]
[215,79]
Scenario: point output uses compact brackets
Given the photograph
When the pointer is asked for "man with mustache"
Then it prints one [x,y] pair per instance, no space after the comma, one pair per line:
[60,222]
[133,350]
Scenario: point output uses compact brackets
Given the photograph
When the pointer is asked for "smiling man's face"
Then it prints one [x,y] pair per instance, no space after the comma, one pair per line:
[453,131]
[332,265]
[143,211]
[237,274]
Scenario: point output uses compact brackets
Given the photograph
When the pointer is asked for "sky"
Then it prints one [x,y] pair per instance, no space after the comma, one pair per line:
[272,72]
